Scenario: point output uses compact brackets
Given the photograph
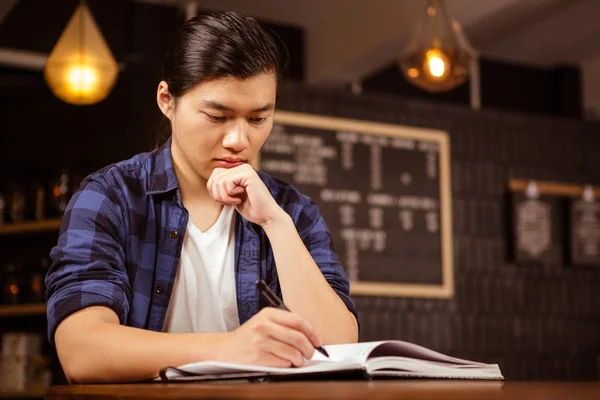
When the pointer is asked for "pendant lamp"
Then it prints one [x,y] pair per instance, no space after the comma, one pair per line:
[437,56]
[81,69]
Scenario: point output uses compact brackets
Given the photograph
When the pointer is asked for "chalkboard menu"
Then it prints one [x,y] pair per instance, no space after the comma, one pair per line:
[585,232]
[537,229]
[384,191]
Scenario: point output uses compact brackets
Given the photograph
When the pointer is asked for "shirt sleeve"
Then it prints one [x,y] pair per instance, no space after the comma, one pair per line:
[318,241]
[88,263]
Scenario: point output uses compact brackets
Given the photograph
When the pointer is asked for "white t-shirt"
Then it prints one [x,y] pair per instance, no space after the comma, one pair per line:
[204,297]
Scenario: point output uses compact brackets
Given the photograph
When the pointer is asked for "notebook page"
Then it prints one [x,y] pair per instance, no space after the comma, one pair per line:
[411,350]
[357,352]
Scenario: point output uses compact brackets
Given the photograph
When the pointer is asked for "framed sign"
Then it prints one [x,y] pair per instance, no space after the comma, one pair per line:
[384,191]
[539,222]
[535,228]
[584,232]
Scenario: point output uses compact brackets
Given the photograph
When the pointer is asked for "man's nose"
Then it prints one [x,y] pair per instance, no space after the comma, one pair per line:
[236,137]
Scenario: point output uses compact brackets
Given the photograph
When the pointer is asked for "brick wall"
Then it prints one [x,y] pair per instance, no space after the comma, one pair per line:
[537,322]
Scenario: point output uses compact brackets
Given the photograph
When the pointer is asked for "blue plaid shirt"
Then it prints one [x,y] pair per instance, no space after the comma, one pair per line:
[121,238]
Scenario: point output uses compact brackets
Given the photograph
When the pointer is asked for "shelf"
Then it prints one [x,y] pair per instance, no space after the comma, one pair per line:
[31,227]
[21,310]
[23,395]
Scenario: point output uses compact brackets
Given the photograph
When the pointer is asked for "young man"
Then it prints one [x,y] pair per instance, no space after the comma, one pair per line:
[158,255]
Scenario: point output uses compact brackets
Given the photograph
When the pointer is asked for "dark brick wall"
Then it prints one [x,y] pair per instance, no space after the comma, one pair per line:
[537,322]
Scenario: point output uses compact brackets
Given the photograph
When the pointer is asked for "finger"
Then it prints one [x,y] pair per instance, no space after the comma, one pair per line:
[284,351]
[271,360]
[285,334]
[210,185]
[233,188]
[216,173]
[214,191]
[237,190]
[296,322]
[224,194]
[238,175]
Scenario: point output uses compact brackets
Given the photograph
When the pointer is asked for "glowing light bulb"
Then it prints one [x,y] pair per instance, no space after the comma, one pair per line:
[82,79]
[436,66]
[436,63]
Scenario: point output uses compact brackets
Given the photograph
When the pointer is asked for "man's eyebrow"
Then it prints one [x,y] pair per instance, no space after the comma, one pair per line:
[222,107]
[266,107]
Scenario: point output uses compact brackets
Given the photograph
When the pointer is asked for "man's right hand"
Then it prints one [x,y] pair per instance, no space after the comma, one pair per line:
[273,338]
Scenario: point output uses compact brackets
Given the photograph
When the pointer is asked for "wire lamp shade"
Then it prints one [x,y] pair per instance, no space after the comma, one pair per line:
[437,56]
[81,69]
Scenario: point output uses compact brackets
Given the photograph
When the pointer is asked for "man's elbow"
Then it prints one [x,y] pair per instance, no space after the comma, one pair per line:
[77,363]
[77,344]
[353,331]
[346,332]
[76,373]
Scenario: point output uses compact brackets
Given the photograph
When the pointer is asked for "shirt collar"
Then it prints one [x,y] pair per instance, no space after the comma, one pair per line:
[162,175]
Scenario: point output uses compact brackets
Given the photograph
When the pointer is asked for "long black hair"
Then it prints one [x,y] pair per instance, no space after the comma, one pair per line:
[217,45]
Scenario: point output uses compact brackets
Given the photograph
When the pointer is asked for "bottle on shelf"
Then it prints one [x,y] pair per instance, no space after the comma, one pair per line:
[36,210]
[17,203]
[11,287]
[37,274]
[60,194]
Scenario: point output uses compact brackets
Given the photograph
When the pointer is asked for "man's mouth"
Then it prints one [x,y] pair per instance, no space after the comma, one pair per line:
[229,162]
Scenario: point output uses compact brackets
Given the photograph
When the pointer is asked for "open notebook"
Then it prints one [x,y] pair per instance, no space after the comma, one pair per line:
[389,359]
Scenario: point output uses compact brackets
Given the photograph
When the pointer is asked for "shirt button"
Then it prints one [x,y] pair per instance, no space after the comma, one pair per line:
[173,234]
[160,289]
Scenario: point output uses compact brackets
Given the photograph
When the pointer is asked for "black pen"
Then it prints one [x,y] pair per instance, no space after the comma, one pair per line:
[276,302]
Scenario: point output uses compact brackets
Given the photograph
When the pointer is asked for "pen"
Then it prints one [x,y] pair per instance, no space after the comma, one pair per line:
[276,302]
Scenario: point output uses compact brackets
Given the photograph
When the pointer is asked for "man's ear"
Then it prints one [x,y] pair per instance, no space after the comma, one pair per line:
[164,99]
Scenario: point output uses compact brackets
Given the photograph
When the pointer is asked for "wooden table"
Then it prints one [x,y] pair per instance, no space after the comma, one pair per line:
[363,390]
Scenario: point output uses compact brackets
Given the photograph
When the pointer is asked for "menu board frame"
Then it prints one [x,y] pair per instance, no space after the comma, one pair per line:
[445,290]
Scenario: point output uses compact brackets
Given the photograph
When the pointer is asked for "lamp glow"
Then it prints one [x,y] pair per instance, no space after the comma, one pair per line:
[436,62]
[81,68]
[82,79]
[437,58]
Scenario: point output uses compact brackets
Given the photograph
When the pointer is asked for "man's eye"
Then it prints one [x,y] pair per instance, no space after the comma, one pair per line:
[258,120]
[214,118]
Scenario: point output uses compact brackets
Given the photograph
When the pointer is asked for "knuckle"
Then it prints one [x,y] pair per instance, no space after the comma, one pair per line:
[265,313]
[256,342]
[299,341]
[260,327]
[298,359]
[298,323]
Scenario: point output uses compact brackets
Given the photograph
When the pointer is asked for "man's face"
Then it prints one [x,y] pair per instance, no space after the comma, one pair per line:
[222,122]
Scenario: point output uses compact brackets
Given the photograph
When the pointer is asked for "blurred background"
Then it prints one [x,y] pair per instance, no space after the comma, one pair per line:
[514,83]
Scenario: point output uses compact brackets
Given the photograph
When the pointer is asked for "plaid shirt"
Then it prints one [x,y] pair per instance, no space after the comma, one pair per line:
[121,238]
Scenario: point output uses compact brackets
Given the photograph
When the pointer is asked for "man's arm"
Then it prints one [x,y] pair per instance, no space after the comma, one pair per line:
[305,290]
[93,347]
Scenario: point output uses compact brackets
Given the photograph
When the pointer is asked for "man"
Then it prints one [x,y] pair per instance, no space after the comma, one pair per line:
[158,255]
